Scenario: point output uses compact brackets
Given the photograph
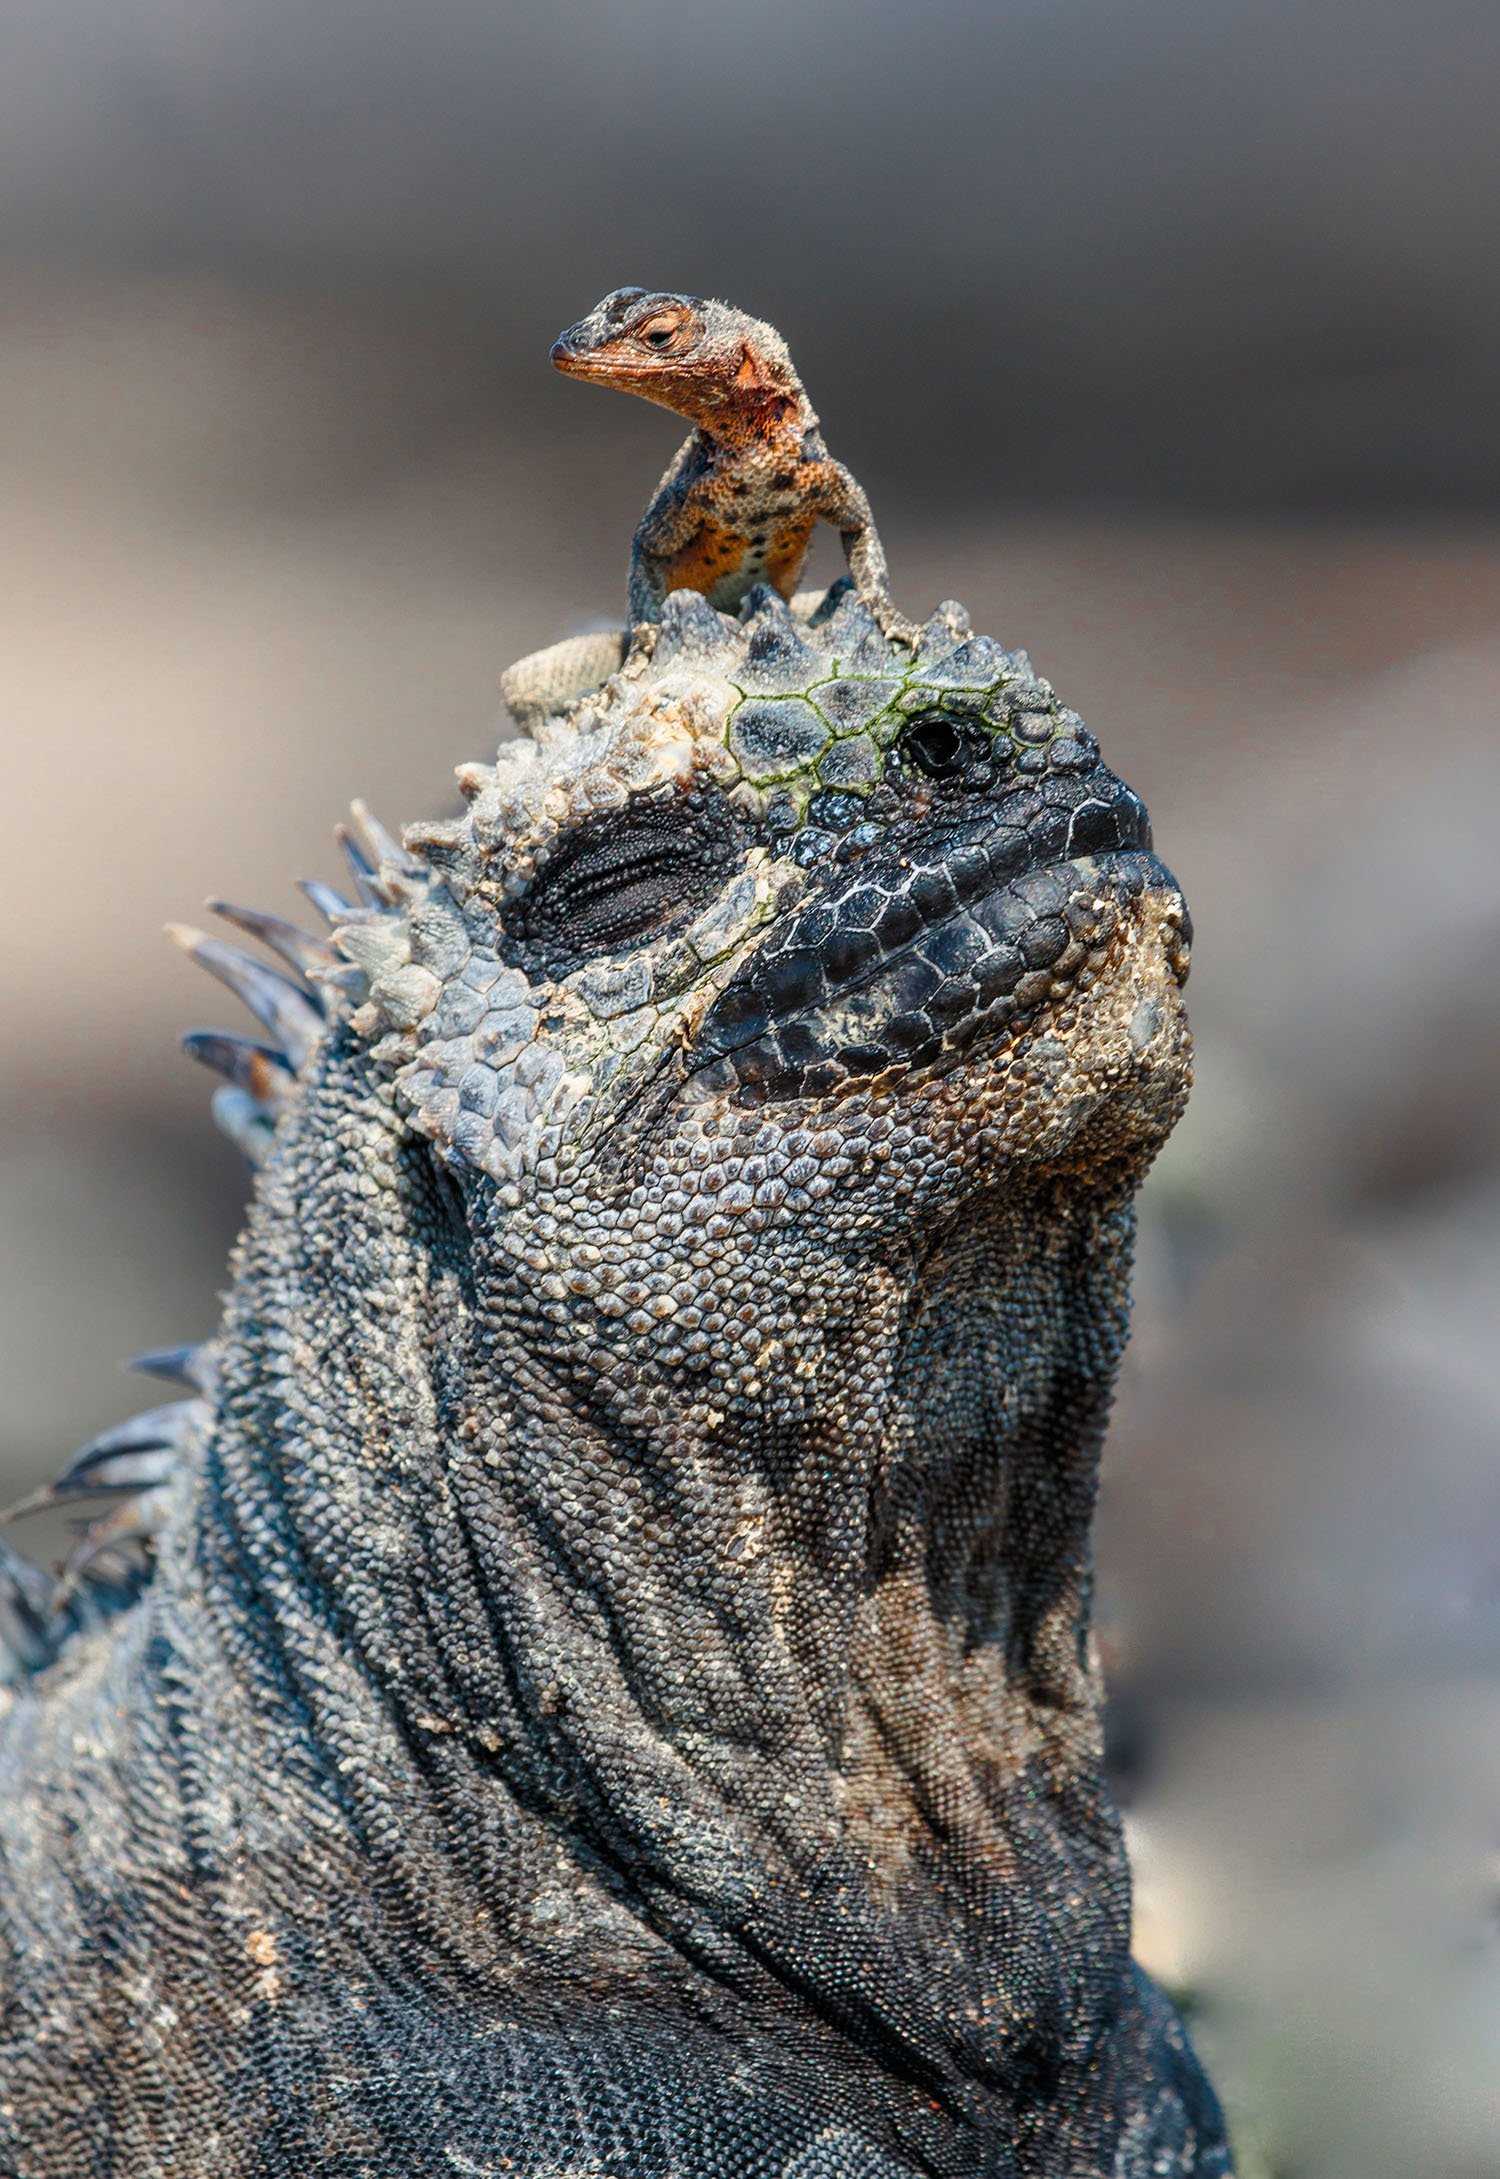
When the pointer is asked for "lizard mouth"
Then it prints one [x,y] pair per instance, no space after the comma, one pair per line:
[574,353]
[572,357]
[576,358]
[928,944]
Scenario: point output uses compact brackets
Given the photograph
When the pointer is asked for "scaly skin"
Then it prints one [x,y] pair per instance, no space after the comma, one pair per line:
[616,1697]
[740,501]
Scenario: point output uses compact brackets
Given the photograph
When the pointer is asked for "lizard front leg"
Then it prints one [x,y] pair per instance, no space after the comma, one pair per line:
[664,530]
[671,521]
[844,504]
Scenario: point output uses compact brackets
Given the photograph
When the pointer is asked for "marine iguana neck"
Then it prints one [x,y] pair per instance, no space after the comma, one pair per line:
[816,1648]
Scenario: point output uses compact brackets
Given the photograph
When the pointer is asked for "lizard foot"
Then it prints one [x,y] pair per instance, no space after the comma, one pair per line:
[896,626]
[641,647]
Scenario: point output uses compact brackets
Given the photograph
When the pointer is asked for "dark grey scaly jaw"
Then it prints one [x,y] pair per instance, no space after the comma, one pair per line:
[915,954]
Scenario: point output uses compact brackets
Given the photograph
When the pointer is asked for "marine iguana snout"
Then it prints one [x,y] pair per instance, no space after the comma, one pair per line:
[941,911]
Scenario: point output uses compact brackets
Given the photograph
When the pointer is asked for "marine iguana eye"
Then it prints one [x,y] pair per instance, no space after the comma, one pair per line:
[938,745]
[622,880]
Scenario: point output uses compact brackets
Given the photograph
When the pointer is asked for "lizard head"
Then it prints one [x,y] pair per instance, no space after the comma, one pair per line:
[786,883]
[696,357]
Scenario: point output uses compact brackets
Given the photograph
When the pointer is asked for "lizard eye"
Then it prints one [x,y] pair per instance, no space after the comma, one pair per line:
[937,745]
[659,332]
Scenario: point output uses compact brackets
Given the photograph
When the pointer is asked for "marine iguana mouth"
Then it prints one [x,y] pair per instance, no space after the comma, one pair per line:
[948,930]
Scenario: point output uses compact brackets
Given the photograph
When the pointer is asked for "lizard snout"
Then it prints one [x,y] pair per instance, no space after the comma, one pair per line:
[572,349]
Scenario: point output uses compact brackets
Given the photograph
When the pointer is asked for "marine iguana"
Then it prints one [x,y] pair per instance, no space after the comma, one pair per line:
[614,1695]
[743,494]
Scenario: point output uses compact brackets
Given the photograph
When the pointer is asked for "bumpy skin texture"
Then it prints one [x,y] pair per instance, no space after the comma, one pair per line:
[740,501]
[616,1697]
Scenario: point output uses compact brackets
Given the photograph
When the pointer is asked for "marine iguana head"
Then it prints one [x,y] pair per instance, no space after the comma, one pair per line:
[788,876]
[699,358]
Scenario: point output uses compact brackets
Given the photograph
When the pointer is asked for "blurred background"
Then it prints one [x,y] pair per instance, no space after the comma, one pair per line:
[1169,338]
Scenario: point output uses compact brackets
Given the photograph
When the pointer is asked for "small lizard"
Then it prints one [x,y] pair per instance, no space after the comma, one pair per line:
[739,504]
